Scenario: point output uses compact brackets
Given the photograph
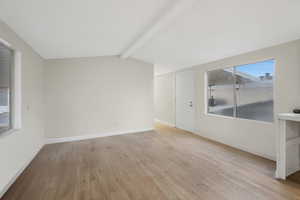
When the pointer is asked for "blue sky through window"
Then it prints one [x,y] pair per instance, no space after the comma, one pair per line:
[258,69]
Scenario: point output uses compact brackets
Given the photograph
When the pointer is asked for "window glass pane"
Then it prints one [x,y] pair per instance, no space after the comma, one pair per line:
[220,92]
[254,90]
[5,85]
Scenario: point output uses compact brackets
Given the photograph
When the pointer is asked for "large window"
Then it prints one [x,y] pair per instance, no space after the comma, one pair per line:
[10,88]
[6,58]
[244,91]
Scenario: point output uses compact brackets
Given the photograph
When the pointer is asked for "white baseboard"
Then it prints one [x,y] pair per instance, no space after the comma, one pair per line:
[91,136]
[15,177]
[240,147]
[164,122]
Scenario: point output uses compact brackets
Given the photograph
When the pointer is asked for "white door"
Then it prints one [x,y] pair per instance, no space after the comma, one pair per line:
[185,105]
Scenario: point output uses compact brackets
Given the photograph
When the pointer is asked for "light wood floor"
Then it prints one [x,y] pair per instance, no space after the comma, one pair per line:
[164,164]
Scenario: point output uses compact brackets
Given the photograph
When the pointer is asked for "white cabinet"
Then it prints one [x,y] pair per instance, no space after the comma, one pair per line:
[288,143]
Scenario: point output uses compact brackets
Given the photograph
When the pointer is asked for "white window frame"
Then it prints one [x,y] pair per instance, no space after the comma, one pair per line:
[15,90]
[232,66]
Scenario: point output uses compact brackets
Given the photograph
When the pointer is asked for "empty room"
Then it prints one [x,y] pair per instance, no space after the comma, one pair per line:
[149,100]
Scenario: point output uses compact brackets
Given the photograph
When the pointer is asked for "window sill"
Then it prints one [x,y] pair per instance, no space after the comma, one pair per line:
[8,132]
[239,119]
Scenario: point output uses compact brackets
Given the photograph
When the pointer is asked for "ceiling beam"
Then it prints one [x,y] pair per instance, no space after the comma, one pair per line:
[175,9]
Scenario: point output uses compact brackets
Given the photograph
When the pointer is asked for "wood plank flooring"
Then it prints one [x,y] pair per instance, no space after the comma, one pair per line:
[163,164]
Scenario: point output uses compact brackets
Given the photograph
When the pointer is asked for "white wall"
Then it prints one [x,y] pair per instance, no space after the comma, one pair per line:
[253,136]
[164,98]
[98,95]
[17,148]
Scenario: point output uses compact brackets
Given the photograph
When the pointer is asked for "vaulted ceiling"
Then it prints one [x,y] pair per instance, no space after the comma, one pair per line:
[170,33]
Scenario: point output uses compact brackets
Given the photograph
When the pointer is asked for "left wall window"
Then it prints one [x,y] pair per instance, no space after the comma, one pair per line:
[10,88]
[6,62]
